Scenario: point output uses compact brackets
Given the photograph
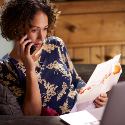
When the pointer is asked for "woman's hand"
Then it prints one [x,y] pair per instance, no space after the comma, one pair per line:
[23,51]
[32,102]
[101,100]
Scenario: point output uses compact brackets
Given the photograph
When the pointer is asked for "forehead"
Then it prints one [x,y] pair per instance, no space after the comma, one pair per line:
[40,19]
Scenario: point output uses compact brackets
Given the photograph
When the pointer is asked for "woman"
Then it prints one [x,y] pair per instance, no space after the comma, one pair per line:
[45,82]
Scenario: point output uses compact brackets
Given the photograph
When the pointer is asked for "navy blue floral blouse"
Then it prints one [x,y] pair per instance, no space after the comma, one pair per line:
[57,77]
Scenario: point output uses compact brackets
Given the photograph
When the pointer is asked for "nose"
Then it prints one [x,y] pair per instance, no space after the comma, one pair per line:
[40,35]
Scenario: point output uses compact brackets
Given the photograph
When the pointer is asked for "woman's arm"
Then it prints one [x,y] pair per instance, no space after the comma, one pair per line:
[76,79]
[32,102]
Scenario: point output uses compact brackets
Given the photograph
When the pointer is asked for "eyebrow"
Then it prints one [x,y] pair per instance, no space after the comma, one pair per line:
[37,26]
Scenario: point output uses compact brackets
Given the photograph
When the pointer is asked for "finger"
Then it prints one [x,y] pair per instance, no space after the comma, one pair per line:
[103,99]
[23,46]
[99,102]
[104,95]
[23,39]
[27,50]
[97,105]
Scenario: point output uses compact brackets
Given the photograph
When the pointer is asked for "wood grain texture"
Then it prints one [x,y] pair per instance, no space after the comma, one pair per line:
[92,27]
[94,31]
[1,2]
[100,6]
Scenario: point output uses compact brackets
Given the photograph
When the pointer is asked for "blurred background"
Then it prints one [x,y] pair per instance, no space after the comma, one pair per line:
[93,30]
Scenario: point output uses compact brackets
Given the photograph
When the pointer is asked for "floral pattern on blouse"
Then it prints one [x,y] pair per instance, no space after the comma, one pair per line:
[57,78]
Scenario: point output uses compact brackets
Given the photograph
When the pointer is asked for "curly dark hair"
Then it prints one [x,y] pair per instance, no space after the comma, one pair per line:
[17,15]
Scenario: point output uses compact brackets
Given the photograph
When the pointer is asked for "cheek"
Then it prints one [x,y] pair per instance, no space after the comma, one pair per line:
[45,34]
[32,36]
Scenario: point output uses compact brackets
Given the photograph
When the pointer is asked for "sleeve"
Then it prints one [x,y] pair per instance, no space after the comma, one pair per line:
[9,79]
[9,90]
[76,79]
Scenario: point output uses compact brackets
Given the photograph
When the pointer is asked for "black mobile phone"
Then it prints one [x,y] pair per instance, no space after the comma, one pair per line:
[32,49]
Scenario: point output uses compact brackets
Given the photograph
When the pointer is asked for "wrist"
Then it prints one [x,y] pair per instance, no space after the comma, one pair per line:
[30,71]
[30,68]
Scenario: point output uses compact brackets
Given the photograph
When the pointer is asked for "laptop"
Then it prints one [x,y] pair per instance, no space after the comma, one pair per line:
[114,113]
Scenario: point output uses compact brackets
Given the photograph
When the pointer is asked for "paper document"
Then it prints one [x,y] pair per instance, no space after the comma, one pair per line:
[84,117]
[80,118]
[103,78]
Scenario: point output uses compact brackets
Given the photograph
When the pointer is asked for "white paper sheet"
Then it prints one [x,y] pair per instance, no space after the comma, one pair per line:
[84,117]
[103,69]
[79,118]
[100,81]
[90,94]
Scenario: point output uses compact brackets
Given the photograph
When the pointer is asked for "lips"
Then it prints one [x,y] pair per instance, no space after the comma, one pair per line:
[38,44]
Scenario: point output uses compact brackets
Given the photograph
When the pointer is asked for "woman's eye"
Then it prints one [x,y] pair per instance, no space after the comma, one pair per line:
[34,30]
[46,28]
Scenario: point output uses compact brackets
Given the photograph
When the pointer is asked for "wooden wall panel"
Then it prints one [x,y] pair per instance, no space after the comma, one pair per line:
[1,2]
[93,27]
[70,52]
[97,55]
[95,6]
[81,55]
[123,54]
[111,51]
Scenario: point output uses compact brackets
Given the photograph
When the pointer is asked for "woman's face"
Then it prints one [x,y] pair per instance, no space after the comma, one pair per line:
[38,31]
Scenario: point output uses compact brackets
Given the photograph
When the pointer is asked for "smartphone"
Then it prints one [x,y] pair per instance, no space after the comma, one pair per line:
[32,49]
